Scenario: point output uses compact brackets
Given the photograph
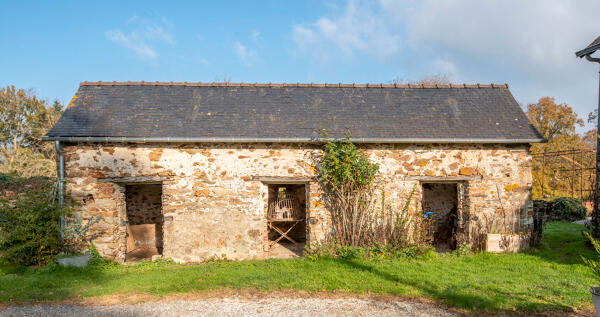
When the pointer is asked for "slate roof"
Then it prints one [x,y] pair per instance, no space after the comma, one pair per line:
[186,112]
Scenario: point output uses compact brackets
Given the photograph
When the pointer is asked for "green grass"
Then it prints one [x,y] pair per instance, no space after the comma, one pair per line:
[552,278]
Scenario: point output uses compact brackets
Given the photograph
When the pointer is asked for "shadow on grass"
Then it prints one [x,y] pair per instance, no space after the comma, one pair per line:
[563,243]
[455,296]
[28,285]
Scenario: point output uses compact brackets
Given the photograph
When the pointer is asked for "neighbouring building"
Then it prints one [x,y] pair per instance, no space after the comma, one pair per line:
[192,171]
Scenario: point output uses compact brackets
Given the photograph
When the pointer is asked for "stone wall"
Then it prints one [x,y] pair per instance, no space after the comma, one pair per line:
[215,196]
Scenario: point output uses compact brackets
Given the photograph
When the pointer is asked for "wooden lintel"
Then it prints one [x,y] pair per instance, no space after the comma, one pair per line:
[134,180]
[283,180]
[445,178]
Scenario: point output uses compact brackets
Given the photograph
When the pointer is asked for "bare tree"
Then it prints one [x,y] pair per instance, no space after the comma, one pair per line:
[438,79]
[431,80]
[225,80]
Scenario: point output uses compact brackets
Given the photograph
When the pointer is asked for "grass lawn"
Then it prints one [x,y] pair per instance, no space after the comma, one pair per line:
[552,278]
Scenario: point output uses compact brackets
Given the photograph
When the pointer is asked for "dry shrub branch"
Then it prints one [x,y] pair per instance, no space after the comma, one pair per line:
[352,187]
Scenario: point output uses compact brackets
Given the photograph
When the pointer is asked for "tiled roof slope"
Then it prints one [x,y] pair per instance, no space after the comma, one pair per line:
[294,112]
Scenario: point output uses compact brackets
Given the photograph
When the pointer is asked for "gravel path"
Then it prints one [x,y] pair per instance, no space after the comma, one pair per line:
[235,306]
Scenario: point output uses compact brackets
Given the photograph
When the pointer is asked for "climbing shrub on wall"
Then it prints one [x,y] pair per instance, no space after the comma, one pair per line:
[360,214]
[344,167]
[349,179]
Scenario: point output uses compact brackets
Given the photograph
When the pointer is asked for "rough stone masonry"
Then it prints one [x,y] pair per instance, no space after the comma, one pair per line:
[214,201]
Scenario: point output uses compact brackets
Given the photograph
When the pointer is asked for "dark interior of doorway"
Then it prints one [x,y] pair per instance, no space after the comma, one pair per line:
[442,200]
[144,221]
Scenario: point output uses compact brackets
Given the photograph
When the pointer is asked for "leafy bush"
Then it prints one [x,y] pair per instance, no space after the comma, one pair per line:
[49,267]
[327,249]
[593,264]
[333,250]
[344,166]
[462,250]
[8,178]
[76,237]
[217,259]
[349,253]
[568,209]
[29,227]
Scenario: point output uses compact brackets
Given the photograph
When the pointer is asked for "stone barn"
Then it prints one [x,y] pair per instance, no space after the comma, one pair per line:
[192,171]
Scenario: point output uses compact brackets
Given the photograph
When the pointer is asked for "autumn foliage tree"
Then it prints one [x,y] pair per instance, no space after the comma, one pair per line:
[589,138]
[24,119]
[557,122]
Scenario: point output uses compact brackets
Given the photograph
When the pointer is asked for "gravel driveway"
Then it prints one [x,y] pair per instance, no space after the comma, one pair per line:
[236,306]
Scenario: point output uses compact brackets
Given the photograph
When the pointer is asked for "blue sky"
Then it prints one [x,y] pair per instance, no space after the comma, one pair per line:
[52,46]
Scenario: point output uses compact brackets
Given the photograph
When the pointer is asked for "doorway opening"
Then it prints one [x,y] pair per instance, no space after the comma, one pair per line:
[144,221]
[286,219]
[442,200]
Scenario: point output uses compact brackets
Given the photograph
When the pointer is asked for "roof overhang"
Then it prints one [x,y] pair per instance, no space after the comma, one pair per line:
[590,49]
[587,51]
[284,140]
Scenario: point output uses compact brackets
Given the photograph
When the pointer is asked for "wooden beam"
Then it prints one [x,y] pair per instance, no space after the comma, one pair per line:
[283,180]
[444,178]
[134,180]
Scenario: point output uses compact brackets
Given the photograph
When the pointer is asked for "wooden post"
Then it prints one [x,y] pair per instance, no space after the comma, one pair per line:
[543,166]
[573,177]
[581,178]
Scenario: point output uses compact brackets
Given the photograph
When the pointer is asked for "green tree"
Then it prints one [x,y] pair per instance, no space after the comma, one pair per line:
[24,119]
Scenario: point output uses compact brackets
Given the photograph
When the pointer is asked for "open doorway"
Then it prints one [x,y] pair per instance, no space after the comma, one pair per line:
[144,221]
[286,219]
[442,200]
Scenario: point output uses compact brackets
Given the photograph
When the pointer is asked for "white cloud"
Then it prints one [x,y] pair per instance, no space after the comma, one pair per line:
[540,33]
[246,55]
[203,61]
[357,28]
[143,37]
[445,67]
[133,42]
[133,18]
[528,44]
[537,32]
[255,35]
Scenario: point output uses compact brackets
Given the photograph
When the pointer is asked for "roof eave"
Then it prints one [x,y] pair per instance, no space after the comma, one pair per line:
[587,51]
[285,140]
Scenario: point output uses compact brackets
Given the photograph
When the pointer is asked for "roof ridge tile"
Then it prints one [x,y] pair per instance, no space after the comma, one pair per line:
[296,85]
